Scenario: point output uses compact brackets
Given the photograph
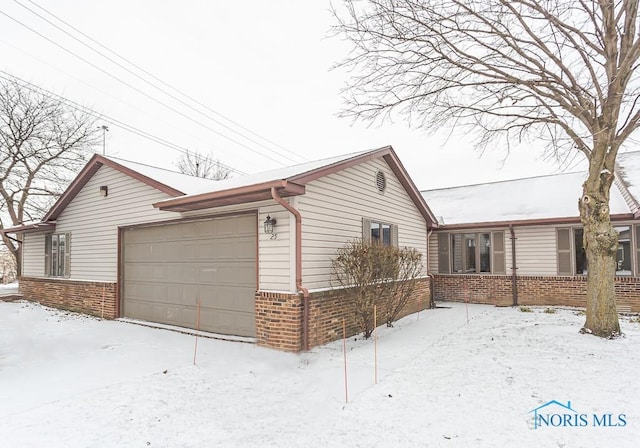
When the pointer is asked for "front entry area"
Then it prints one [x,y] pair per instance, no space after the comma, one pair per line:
[167,269]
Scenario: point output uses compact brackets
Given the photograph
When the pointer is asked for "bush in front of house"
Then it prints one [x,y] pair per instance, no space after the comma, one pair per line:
[372,274]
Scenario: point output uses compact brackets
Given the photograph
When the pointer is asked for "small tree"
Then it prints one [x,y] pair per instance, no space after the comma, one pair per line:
[374,275]
[407,269]
[202,165]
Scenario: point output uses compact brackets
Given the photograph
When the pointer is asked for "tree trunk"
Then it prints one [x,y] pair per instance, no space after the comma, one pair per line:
[600,243]
[17,256]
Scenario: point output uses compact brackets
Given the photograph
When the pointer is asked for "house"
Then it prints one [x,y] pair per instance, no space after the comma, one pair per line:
[247,256]
[520,241]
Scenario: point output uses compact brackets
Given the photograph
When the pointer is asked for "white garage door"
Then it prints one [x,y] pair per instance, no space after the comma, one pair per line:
[169,268]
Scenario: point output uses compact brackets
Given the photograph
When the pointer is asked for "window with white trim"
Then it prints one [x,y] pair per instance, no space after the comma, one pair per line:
[57,254]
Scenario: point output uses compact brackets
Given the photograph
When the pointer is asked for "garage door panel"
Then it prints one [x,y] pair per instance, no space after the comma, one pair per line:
[168,268]
[227,322]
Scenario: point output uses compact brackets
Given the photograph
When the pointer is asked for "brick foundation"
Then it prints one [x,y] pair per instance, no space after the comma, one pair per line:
[279,320]
[279,317]
[95,298]
[532,290]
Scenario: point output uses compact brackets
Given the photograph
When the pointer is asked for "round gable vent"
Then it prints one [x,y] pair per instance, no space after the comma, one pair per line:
[381,181]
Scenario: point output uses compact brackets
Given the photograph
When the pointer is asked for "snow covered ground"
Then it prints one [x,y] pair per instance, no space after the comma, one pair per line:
[68,380]
[8,288]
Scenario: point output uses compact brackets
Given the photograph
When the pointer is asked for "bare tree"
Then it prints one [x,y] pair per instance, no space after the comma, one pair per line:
[43,143]
[202,165]
[559,71]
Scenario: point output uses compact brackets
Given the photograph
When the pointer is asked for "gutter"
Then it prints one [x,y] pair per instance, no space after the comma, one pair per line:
[299,286]
[514,277]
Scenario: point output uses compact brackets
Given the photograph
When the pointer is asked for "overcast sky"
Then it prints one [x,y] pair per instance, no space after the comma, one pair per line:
[264,65]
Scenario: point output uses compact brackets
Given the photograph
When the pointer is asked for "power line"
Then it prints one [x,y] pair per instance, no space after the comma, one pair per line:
[84,109]
[170,95]
[163,82]
[85,83]
[140,91]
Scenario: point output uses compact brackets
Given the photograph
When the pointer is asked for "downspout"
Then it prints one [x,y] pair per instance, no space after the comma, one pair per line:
[431,276]
[514,277]
[299,287]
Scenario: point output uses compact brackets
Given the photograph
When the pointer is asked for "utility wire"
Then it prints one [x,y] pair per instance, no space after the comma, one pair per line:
[140,91]
[146,81]
[87,84]
[142,78]
[84,109]
[160,80]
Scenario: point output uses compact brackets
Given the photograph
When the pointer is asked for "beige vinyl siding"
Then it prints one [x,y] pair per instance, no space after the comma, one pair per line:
[276,257]
[93,221]
[536,250]
[433,253]
[333,207]
[33,255]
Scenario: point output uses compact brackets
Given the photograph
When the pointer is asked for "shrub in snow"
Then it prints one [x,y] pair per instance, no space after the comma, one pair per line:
[372,274]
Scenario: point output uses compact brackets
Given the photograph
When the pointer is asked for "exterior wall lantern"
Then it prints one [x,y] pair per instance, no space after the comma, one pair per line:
[104,190]
[269,226]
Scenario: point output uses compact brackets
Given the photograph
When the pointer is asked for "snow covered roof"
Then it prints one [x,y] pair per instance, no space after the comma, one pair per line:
[190,192]
[629,172]
[273,175]
[291,181]
[535,198]
[185,183]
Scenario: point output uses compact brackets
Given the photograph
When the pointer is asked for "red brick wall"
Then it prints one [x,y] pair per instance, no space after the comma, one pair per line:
[95,298]
[532,290]
[327,309]
[279,320]
[279,317]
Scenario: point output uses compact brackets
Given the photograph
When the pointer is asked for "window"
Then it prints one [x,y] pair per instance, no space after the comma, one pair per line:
[469,253]
[572,258]
[580,253]
[380,232]
[57,253]
[624,254]
[637,235]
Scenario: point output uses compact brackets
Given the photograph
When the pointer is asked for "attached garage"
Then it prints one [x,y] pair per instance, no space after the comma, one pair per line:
[168,268]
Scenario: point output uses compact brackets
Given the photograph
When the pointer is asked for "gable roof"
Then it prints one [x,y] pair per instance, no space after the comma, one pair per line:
[291,181]
[193,193]
[170,182]
[542,199]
